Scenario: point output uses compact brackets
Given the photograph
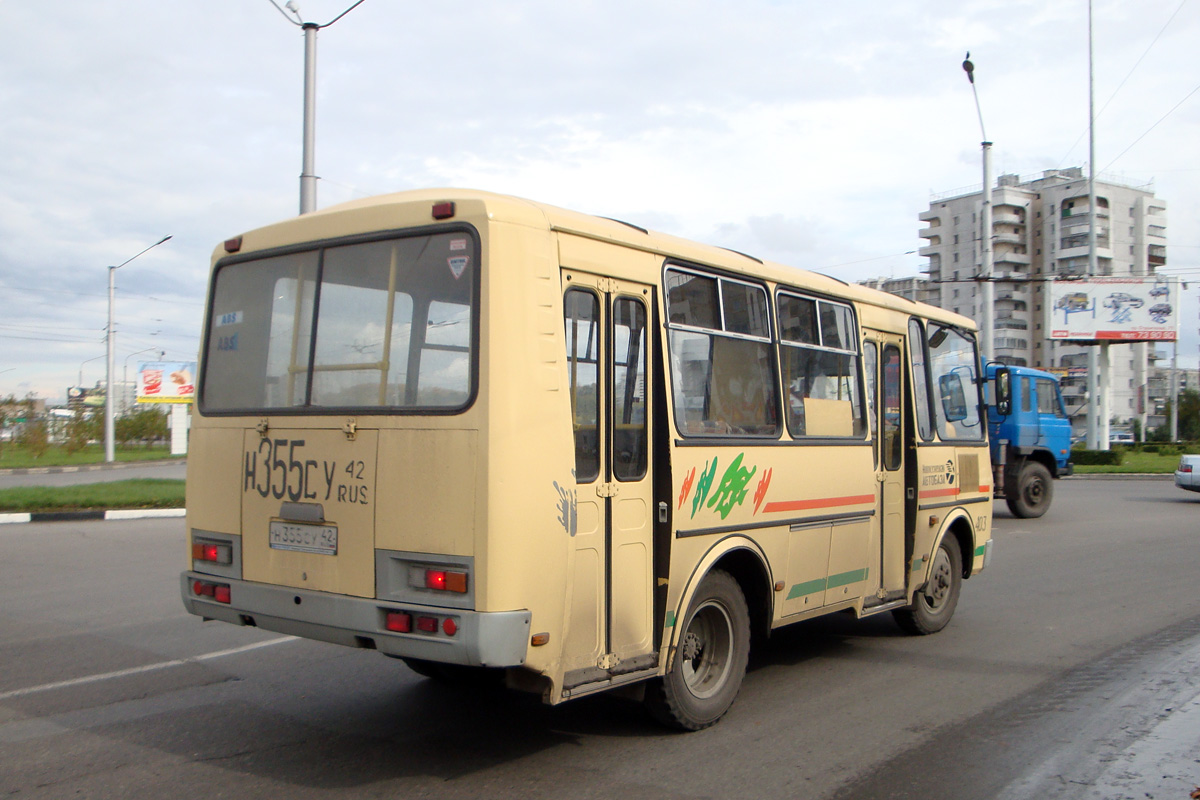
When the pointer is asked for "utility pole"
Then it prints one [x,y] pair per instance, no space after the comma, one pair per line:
[308,176]
[987,290]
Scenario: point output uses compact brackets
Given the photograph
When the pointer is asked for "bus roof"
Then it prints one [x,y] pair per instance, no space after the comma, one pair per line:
[516,210]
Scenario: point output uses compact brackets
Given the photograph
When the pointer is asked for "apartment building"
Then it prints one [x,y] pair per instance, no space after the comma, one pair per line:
[1040,234]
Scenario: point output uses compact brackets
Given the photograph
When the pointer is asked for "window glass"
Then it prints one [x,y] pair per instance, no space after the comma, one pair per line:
[390,323]
[954,369]
[798,319]
[629,389]
[837,326]
[822,383]
[745,309]
[870,365]
[916,345]
[723,378]
[891,420]
[1049,401]
[692,300]
[582,315]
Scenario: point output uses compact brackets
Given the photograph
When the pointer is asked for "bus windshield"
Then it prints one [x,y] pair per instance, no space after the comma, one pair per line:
[387,323]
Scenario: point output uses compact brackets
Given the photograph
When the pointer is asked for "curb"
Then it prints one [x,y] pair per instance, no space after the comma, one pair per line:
[92,467]
[76,516]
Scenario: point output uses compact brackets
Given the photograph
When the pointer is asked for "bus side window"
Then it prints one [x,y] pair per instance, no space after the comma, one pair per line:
[582,313]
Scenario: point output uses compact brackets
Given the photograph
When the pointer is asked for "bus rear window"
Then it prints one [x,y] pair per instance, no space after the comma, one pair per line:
[386,324]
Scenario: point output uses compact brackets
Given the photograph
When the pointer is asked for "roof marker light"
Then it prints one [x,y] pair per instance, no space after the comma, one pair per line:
[443,210]
[233,245]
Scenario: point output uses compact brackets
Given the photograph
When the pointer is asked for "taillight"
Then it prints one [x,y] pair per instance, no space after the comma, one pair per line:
[1185,467]
[217,591]
[213,553]
[406,622]
[446,580]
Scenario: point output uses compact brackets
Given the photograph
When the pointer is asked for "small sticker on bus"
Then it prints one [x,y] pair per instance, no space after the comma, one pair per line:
[458,265]
[232,318]
[458,244]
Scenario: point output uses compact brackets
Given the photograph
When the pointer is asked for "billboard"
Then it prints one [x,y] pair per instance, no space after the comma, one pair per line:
[1129,309]
[166,382]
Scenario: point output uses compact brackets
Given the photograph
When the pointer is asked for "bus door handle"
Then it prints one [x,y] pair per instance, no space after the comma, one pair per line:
[910,492]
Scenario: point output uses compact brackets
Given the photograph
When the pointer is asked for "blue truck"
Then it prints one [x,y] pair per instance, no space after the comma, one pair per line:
[1030,437]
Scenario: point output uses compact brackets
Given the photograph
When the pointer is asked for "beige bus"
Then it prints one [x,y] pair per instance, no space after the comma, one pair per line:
[482,434]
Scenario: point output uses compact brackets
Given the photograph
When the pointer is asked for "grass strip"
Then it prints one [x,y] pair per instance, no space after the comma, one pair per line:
[138,493]
[1133,462]
[13,456]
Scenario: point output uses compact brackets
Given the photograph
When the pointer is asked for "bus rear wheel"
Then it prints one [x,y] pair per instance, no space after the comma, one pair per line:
[1032,493]
[710,660]
[934,604]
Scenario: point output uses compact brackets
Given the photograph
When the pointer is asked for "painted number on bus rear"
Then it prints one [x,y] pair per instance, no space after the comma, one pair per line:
[279,468]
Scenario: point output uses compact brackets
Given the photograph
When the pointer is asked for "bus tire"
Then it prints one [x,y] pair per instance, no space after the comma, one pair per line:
[710,659]
[1033,492]
[934,604]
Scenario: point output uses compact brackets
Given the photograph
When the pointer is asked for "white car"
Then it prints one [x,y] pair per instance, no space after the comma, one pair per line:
[1187,474]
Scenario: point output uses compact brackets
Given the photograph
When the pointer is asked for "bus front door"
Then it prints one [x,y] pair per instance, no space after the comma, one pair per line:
[610,603]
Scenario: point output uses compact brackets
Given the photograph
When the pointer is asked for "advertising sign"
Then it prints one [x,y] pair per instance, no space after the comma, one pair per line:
[1130,309]
[166,382]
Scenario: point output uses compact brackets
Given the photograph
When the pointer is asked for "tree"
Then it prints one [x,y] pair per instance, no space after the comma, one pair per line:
[1189,417]
[141,426]
[34,438]
[82,428]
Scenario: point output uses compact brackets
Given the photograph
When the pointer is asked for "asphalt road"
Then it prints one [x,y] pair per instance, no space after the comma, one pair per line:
[1071,670]
[59,476]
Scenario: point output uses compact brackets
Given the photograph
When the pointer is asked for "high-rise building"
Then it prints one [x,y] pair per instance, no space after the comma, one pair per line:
[1040,233]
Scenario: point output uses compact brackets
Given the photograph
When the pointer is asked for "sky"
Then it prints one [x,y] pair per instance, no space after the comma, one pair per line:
[811,134]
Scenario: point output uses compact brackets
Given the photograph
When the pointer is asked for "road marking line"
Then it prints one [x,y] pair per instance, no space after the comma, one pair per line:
[46,687]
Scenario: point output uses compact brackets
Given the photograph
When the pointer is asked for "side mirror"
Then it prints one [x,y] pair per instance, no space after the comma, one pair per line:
[954,399]
[1003,392]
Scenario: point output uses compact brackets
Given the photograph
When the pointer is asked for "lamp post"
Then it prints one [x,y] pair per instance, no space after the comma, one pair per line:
[987,289]
[109,451]
[308,178]
[85,361]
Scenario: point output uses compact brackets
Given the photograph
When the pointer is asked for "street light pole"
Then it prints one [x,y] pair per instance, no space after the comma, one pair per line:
[308,177]
[109,449]
[987,289]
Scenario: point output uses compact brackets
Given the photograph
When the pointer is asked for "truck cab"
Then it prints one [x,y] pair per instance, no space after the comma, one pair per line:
[1030,437]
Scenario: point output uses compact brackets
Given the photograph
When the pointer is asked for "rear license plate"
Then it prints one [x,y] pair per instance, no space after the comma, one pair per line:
[304,538]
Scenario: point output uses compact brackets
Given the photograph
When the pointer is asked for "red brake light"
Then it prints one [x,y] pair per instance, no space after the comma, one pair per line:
[398,622]
[1185,467]
[443,210]
[217,591]
[427,624]
[446,581]
[214,553]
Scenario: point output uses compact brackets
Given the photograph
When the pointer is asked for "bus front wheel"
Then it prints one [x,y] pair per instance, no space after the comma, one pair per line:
[710,659]
[934,604]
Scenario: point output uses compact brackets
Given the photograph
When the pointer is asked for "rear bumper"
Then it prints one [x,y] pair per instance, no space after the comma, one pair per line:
[481,639]
[1188,480]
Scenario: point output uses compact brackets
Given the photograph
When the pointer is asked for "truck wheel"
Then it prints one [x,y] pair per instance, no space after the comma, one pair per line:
[1032,492]
[934,604]
[710,660]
